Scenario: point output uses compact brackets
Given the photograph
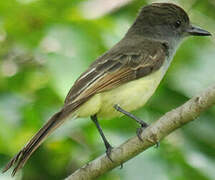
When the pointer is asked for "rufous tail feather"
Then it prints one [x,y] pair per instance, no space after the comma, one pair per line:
[20,159]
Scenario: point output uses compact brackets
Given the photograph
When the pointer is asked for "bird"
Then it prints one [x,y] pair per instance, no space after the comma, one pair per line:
[123,78]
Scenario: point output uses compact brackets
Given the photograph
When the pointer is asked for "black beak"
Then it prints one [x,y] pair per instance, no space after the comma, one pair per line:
[196,31]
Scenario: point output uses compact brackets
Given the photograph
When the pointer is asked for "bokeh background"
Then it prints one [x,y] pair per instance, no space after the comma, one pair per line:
[44,47]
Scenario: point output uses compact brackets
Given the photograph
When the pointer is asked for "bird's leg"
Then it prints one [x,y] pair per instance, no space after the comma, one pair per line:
[107,144]
[139,121]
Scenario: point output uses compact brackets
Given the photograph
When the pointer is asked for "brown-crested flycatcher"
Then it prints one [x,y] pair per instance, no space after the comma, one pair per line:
[123,78]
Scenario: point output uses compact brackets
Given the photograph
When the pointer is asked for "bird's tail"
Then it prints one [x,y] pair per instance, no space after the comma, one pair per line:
[20,159]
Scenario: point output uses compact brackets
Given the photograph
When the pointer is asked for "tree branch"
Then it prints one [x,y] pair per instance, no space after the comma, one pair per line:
[151,135]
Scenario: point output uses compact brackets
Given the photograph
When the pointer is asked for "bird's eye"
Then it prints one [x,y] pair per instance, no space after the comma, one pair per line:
[177,24]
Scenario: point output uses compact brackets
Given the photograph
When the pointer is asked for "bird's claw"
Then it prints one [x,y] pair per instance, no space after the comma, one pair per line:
[140,130]
[108,152]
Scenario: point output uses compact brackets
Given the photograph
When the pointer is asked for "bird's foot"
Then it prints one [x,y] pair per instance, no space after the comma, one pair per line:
[139,131]
[108,151]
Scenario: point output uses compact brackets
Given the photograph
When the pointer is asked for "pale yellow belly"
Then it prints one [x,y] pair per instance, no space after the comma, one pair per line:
[129,96]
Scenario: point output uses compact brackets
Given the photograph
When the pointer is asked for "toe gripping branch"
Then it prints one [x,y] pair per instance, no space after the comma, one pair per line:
[142,124]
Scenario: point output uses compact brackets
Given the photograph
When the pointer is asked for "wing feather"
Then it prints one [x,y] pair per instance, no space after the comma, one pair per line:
[114,71]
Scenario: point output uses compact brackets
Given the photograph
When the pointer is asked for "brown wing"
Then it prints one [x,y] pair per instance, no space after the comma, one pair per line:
[115,69]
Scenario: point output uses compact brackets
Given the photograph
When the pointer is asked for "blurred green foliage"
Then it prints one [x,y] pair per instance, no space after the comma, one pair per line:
[46,44]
